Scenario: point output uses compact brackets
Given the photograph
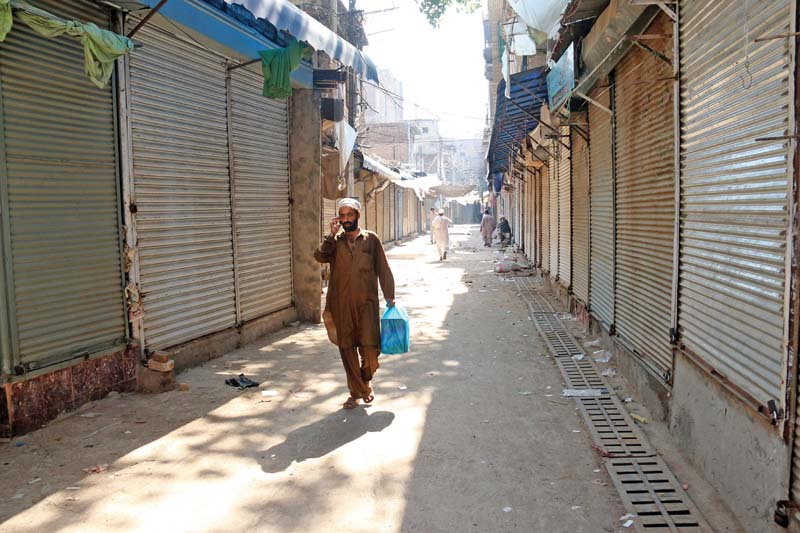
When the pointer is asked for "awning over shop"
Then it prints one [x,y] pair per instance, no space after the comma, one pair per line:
[287,17]
[517,115]
[421,185]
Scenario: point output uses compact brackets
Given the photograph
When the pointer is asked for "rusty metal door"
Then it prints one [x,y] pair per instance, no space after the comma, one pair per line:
[601,209]
[645,202]
[580,212]
[554,208]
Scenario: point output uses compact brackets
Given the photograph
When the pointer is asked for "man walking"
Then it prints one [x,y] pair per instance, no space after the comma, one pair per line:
[358,264]
[440,234]
[487,227]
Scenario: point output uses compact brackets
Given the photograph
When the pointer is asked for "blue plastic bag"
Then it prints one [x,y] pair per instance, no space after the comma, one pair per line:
[395,334]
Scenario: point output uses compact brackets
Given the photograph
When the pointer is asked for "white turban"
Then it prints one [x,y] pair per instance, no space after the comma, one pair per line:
[441,211]
[348,202]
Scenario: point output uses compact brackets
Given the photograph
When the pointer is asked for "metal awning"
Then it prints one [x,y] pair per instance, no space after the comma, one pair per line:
[516,116]
[421,185]
[287,17]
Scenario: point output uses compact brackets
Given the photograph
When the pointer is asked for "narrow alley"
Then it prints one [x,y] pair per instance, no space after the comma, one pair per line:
[468,432]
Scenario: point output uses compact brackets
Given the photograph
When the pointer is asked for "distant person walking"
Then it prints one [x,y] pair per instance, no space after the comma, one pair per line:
[358,264]
[440,234]
[431,216]
[487,227]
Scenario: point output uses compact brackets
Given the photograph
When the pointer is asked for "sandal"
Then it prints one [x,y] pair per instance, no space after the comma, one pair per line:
[351,403]
[368,397]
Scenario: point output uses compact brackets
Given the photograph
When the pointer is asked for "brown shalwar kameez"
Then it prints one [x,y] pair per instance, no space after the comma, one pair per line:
[353,302]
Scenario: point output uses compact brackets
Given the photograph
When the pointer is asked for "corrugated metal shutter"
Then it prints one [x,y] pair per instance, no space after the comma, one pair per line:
[328,212]
[260,147]
[645,202]
[580,215]
[63,208]
[182,186]
[564,210]
[734,190]
[601,212]
[554,208]
[544,183]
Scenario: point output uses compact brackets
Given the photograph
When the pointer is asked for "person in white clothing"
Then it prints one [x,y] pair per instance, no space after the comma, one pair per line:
[440,234]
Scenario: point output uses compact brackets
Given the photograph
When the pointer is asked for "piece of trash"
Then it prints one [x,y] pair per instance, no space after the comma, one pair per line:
[128,431]
[507,509]
[576,430]
[19,444]
[73,488]
[34,481]
[90,415]
[628,400]
[601,452]
[485,421]
[575,507]
[639,418]
[526,393]
[629,523]
[602,356]
[592,344]
[583,393]
[241,382]
[596,470]
[578,356]
[183,387]
[609,373]
[685,486]
[563,316]
[295,324]
[627,517]
[96,469]
[269,393]
[402,387]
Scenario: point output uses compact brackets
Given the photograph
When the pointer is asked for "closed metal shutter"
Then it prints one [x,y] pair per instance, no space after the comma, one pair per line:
[564,210]
[328,213]
[601,212]
[259,133]
[645,202]
[182,186]
[735,190]
[580,215]
[63,219]
[544,182]
[554,208]
[380,218]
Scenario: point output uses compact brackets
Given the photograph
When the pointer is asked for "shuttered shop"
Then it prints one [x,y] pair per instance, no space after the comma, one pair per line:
[734,190]
[601,212]
[554,206]
[545,218]
[580,214]
[260,154]
[182,187]
[62,244]
[564,209]
[645,205]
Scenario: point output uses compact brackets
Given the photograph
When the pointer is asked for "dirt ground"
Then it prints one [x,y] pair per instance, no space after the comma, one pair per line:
[467,433]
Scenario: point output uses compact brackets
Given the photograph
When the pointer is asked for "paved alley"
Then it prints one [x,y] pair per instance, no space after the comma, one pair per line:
[467,433]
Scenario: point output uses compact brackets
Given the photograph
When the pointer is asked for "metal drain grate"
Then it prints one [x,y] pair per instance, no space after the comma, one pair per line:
[610,427]
[650,491]
[647,487]
[580,374]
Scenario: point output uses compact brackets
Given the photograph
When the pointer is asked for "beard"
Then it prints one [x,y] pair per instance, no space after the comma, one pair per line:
[350,226]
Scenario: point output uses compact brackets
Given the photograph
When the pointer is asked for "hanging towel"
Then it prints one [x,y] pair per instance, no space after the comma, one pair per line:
[278,65]
[5,19]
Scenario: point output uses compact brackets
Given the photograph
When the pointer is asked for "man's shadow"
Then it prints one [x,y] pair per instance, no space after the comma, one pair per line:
[323,436]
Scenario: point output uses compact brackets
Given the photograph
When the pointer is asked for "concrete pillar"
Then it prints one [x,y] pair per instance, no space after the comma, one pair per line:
[305,148]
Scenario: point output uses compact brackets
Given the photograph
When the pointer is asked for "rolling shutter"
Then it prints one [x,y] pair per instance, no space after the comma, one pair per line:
[554,205]
[645,207]
[601,210]
[63,217]
[544,183]
[182,185]
[260,154]
[564,210]
[580,215]
[735,190]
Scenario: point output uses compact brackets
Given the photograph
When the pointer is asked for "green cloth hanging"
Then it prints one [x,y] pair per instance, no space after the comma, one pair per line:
[278,65]
[5,19]
[100,47]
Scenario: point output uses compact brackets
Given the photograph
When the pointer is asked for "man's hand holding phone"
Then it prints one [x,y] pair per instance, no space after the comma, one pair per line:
[335,226]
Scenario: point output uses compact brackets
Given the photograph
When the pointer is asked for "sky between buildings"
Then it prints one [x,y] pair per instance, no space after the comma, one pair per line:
[441,68]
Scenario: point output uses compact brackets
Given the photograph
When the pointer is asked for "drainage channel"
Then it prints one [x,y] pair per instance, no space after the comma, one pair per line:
[647,487]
